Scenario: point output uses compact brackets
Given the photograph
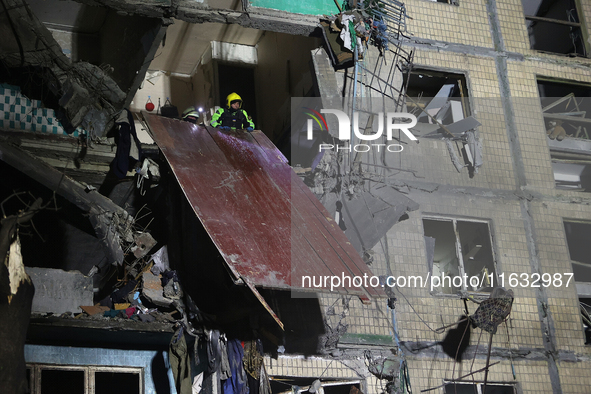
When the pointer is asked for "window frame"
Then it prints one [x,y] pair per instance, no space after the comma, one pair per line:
[580,25]
[583,289]
[461,77]
[572,147]
[329,383]
[35,370]
[458,248]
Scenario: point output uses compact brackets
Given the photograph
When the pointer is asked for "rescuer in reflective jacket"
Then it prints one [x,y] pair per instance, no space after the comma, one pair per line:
[232,117]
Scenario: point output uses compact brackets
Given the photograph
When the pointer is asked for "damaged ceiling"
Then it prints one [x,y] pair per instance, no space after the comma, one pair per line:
[91,82]
[185,43]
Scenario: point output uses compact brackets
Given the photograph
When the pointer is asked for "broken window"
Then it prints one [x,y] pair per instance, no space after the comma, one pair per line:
[439,95]
[460,253]
[297,385]
[478,388]
[566,109]
[578,234]
[440,102]
[585,307]
[577,238]
[554,26]
[49,379]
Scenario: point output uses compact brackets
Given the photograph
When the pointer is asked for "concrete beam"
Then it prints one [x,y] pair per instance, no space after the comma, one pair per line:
[110,221]
[189,11]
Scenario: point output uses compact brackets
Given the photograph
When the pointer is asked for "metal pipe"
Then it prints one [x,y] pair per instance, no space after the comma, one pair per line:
[355,70]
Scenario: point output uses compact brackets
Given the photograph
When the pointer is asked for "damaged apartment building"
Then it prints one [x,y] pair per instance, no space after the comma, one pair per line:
[410,214]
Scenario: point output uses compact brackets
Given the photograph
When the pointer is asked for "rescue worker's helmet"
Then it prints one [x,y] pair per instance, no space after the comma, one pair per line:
[233,97]
[190,115]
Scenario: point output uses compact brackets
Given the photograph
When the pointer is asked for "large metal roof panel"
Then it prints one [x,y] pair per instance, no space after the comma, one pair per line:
[265,222]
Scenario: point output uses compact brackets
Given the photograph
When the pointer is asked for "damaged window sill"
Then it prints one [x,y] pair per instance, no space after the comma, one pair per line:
[86,331]
[101,323]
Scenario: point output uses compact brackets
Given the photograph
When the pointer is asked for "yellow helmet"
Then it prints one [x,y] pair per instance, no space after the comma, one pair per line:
[233,97]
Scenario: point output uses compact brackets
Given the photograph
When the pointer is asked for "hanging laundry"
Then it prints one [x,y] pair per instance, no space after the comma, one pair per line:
[128,144]
[180,363]
[197,383]
[264,381]
[213,351]
[199,364]
[380,34]
[237,383]
[225,372]
[346,31]
[252,359]
[253,362]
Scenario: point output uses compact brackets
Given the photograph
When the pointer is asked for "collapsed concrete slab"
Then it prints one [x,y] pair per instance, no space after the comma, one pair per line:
[58,291]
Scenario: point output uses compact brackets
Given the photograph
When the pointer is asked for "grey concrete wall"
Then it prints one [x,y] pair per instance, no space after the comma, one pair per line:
[283,72]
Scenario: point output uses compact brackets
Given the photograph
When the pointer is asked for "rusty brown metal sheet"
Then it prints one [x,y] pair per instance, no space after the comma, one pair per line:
[268,226]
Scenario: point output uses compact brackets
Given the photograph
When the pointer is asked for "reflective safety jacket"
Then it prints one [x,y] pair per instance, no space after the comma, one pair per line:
[238,119]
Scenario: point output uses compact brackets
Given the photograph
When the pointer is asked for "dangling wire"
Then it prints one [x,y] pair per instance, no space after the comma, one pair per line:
[510,351]
[405,378]
[474,358]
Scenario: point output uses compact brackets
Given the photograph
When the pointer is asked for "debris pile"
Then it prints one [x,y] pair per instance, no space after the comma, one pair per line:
[148,292]
[358,24]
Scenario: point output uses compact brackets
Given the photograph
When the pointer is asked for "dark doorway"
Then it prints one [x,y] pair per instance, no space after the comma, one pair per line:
[239,80]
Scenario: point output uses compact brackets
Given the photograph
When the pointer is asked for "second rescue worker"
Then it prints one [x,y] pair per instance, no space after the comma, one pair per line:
[232,117]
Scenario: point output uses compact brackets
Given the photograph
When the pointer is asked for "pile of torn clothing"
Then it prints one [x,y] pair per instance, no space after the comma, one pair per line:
[126,303]
[152,293]
[238,365]
[343,33]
